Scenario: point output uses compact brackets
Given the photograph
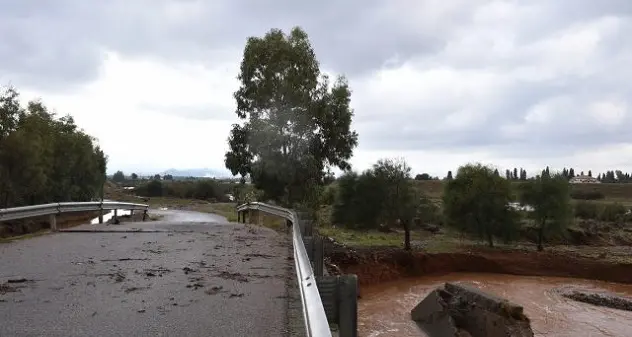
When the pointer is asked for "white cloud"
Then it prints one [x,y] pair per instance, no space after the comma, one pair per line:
[132,108]
[441,83]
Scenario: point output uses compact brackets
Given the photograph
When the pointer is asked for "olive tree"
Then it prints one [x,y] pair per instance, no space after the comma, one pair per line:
[44,158]
[477,201]
[549,197]
[295,124]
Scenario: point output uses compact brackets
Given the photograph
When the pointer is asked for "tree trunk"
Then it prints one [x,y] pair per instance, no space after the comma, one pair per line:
[541,235]
[406,235]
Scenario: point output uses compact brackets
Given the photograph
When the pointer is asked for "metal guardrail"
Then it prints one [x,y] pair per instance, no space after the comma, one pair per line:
[24,212]
[316,323]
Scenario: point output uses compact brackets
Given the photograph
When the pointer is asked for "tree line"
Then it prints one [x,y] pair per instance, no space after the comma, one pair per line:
[120,177]
[44,158]
[202,189]
[477,202]
[520,174]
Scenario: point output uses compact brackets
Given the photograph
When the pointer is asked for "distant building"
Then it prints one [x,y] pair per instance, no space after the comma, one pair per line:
[584,180]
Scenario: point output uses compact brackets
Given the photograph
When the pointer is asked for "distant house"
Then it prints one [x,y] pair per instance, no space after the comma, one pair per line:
[584,180]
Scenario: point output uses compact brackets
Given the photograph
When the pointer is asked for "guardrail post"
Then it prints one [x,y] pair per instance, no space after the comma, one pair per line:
[348,306]
[52,219]
[319,254]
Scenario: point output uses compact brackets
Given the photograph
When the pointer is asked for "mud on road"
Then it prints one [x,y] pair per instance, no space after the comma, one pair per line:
[187,279]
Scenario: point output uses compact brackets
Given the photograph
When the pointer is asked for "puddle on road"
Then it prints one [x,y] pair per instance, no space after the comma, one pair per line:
[107,216]
[384,310]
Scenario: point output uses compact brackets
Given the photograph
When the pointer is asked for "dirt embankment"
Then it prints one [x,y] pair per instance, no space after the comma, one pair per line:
[33,225]
[376,265]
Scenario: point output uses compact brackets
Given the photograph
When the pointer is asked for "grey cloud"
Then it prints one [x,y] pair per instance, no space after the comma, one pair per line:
[56,45]
[52,44]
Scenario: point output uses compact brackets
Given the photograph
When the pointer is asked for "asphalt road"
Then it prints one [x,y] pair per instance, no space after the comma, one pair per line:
[197,277]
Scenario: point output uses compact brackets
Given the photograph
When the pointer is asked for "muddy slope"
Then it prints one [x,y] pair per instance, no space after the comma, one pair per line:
[381,265]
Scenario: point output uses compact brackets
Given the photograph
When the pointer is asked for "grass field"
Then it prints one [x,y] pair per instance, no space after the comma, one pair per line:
[612,192]
[449,241]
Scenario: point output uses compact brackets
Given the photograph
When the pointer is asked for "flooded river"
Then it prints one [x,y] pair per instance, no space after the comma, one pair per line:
[384,310]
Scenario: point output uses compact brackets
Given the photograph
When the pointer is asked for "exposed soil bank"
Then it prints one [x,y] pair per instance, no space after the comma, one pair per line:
[377,265]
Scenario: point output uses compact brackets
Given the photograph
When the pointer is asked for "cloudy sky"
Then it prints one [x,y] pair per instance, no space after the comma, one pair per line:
[440,83]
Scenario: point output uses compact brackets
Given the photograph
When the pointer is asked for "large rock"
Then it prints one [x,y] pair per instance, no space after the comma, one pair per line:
[461,310]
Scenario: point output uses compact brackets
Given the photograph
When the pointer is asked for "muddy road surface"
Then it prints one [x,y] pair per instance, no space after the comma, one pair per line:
[384,309]
[188,275]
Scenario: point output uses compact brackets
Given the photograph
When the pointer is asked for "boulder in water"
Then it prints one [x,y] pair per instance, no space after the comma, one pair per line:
[460,310]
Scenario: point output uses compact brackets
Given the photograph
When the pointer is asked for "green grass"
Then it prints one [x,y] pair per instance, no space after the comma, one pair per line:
[362,238]
[452,242]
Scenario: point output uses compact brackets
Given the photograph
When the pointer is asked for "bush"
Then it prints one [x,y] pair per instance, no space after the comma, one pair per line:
[475,202]
[586,210]
[587,195]
[603,212]
[154,188]
[612,212]
[202,189]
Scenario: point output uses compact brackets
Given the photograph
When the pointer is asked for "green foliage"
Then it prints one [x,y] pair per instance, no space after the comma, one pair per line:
[549,195]
[586,210]
[610,212]
[428,212]
[154,189]
[587,195]
[295,125]
[118,177]
[423,176]
[202,189]
[476,202]
[44,158]
[380,195]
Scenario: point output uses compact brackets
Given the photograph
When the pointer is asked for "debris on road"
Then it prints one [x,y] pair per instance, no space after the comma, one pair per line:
[188,270]
[132,289]
[17,280]
[195,285]
[265,256]
[233,276]
[6,288]
[214,290]
[125,259]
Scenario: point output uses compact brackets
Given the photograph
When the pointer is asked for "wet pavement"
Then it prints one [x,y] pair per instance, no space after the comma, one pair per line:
[187,275]
[384,310]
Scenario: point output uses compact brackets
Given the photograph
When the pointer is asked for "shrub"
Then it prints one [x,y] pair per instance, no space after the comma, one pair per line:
[602,212]
[612,212]
[587,195]
[586,210]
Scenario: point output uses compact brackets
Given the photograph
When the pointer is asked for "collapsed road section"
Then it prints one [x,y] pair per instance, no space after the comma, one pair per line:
[460,310]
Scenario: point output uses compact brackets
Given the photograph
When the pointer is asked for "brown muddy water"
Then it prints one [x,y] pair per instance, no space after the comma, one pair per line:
[384,309]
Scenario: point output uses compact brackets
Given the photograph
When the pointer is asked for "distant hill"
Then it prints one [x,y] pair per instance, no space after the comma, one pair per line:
[198,172]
